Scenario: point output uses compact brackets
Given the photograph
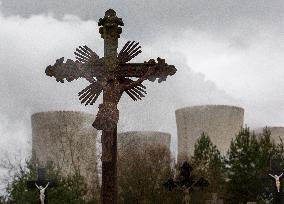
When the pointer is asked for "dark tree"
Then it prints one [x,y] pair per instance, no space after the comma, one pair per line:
[141,176]
[209,163]
[248,158]
[186,182]
[70,190]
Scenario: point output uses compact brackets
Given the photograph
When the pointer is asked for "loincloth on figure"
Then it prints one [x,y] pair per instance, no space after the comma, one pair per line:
[107,116]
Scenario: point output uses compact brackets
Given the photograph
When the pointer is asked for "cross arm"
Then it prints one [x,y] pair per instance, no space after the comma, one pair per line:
[31,184]
[161,70]
[266,175]
[201,182]
[138,81]
[170,184]
[87,65]
[46,185]
[68,70]
[135,91]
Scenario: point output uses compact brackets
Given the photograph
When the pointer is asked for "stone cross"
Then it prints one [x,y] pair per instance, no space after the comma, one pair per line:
[42,181]
[111,75]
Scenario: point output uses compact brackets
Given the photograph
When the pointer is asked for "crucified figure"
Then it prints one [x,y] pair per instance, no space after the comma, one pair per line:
[42,191]
[186,193]
[113,87]
[277,181]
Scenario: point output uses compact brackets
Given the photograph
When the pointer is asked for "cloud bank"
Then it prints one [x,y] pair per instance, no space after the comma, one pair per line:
[28,45]
[236,44]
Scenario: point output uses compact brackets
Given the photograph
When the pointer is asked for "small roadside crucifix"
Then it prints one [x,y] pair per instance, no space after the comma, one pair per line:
[111,75]
[276,174]
[186,182]
[42,184]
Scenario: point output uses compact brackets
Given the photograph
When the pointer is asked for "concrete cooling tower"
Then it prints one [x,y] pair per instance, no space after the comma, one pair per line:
[68,139]
[141,139]
[276,132]
[220,122]
[140,151]
[142,142]
[144,160]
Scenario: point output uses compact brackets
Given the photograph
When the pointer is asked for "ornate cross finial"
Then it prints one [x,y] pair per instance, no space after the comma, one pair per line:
[110,22]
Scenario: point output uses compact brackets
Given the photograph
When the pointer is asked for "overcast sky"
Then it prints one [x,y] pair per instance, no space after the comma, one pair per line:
[226,52]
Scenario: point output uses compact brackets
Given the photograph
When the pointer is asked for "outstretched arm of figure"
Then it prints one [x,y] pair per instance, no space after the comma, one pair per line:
[37,186]
[151,70]
[271,175]
[46,186]
[280,175]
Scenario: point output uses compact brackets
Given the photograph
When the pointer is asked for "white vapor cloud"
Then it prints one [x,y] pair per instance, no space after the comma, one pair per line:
[28,45]
[253,74]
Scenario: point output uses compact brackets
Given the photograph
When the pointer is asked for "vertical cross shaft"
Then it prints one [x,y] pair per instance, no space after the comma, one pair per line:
[110,32]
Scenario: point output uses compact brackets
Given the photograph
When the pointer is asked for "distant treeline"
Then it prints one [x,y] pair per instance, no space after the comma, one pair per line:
[236,177]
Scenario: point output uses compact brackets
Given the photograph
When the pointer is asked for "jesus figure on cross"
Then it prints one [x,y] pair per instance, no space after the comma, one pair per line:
[42,191]
[108,115]
[277,181]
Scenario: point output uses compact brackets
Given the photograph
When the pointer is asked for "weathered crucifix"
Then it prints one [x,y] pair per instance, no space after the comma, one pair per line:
[42,184]
[111,75]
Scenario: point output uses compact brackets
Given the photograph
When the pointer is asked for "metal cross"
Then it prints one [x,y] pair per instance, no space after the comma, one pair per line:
[42,181]
[111,75]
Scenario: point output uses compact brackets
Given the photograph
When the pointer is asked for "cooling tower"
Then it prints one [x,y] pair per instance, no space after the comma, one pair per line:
[276,132]
[142,142]
[220,122]
[141,139]
[144,163]
[68,139]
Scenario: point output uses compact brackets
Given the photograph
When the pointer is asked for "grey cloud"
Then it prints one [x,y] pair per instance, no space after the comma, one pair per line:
[235,19]
[26,8]
[29,45]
